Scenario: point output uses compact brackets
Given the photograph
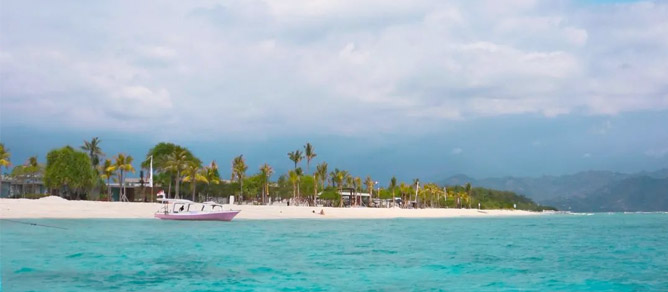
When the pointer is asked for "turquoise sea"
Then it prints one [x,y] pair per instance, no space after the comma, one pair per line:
[602,252]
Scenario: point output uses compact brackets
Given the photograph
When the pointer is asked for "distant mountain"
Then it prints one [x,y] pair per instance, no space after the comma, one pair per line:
[640,193]
[585,191]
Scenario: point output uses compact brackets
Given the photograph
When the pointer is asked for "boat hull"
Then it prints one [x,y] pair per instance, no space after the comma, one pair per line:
[214,216]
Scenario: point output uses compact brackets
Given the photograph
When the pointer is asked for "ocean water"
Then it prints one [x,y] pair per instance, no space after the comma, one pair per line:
[613,252]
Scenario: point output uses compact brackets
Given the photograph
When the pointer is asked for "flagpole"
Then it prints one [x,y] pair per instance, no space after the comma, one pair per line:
[150,180]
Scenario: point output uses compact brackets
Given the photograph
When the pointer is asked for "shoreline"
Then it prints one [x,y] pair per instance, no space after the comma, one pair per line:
[58,208]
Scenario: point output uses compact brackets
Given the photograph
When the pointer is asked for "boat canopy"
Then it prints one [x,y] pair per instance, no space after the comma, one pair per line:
[181,201]
[175,201]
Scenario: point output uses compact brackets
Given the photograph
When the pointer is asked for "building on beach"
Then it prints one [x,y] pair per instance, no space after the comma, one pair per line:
[12,187]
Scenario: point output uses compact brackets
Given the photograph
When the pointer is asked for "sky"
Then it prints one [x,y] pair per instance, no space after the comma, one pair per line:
[416,88]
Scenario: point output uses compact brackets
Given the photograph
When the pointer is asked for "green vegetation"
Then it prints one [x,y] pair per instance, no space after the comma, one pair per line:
[71,173]
[27,175]
[4,157]
[239,168]
[266,172]
[68,172]
[123,165]
[106,172]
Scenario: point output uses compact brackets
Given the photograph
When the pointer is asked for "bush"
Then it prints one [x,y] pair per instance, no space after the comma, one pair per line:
[35,196]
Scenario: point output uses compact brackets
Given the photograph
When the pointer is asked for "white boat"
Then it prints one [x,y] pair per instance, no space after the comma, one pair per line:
[177,209]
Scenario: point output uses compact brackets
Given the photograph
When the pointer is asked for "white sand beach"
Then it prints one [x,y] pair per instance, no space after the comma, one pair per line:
[56,207]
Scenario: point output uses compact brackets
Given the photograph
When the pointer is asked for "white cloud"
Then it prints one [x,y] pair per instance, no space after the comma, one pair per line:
[346,67]
[457,151]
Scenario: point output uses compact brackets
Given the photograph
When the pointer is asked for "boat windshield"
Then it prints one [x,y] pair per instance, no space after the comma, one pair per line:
[178,207]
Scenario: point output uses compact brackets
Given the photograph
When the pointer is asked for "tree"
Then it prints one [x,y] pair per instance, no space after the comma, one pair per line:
[467,189]
[4,157]
[68,170]
[266,172]
[429,192]
[348,178]
[369,187]
[212,175]
[405,191]
[357,181]
[393,185]
[299,172]
[160,153]
[32,169]
[296,156]
[293,177]
[310,154]
[106,172]
[193,173]
[321,169]
[123,165]
[27,174]
[239,171]
[416,184]
[176,162]
[94,151]
[338,177]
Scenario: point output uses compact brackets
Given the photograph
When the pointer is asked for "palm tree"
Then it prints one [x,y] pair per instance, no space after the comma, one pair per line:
[4,157]
[266,171]
[94,151]
[310,154]
[239,168]
[212,175]
[176,162]
[467,188]
[348,179]
[427,194]
[321,169]
[369,187]
[334,177]
[293,177]
[107,171]
[296,156]
[416,184]
[338,177]
[358,184]
[299,173]
[392,186]
[193,173]
[123,164]
[405,191]
[32,170]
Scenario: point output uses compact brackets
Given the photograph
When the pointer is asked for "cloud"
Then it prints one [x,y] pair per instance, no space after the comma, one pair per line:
[456,151]
[343,67]
[586,155]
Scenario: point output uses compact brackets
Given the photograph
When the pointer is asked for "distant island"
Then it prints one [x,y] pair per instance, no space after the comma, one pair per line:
[589,191]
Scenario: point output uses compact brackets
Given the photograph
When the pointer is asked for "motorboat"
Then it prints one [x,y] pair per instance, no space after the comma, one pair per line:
[178,209]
